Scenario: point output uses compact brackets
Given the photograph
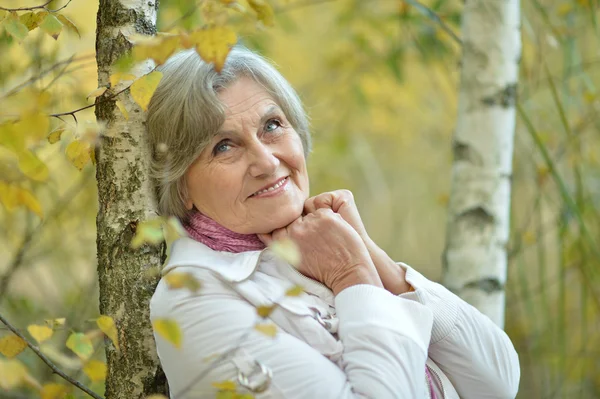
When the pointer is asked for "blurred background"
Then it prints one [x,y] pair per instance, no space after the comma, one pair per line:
[379,79]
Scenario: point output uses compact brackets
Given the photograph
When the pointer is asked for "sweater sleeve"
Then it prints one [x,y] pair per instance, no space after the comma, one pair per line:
[385,342]
[474,353]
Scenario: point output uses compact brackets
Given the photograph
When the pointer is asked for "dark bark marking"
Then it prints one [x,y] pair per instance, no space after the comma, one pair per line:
[506,97]
[488,285]
[464,152]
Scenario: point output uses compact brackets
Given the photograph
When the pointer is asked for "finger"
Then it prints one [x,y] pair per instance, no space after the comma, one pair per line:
[267,238]
[324,200]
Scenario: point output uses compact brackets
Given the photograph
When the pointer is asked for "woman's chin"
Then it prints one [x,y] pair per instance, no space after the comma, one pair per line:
[277,220]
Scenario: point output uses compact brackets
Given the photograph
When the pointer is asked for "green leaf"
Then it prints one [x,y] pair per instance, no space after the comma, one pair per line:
[148,232]
[143,88]
[52,26]
[15,28]
[81,345]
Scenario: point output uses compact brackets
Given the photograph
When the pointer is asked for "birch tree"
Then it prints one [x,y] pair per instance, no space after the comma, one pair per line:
[125,199]
[475,258]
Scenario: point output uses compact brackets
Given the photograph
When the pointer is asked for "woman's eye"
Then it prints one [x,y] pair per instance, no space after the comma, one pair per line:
[222,146]
[272,124]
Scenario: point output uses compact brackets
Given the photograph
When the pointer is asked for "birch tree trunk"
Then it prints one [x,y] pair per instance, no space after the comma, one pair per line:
[125,199]
[475,258]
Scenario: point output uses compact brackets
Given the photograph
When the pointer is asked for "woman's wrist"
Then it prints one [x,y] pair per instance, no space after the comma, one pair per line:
[359,274]
[391,274]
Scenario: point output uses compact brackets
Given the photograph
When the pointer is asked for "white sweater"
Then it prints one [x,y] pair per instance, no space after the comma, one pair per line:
[362,343]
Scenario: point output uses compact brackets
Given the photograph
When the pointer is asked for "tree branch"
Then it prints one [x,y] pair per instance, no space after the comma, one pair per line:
[48,362]
[32,8]
[428,12]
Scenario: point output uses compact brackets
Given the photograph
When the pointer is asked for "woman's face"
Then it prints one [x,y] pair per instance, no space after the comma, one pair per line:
[252,176]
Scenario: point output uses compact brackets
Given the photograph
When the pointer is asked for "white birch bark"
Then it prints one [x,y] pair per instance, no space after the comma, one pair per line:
[124,200]
[475,258]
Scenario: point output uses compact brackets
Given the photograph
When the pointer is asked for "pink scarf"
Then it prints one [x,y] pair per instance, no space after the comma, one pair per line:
[213,235]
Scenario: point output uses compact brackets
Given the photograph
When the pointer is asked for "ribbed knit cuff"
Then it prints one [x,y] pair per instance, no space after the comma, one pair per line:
[365,308]
[442,302]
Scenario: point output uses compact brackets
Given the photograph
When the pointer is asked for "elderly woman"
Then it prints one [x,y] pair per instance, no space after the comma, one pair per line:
[229,156]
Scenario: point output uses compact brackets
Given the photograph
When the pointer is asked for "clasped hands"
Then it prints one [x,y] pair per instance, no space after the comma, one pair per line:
[335,247]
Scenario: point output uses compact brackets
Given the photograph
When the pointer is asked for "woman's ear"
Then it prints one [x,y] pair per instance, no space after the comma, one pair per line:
[189,204]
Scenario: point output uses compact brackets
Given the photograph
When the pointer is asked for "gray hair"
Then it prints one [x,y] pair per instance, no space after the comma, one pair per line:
[185,113]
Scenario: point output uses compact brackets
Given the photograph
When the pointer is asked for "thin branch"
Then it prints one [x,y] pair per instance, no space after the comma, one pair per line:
[48,362]
[39,7]
[33,79]
[72,113]
[27,8]
[428,12]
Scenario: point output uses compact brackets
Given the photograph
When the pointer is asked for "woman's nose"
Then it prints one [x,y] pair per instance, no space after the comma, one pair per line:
[262,160]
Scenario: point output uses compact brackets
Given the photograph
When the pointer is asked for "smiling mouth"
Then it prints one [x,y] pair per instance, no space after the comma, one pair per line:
[275,186]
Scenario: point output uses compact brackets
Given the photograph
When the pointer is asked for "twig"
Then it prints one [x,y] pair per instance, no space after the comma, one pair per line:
[72,113]
[32,8]
[48,362]
[428,12]
[33,79]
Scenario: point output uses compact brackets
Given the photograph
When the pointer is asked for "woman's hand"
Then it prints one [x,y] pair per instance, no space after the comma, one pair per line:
[331,251]
[342,203]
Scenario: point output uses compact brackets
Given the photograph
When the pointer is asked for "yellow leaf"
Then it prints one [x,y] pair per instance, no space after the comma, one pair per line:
[176,280]
[294,291]
[173,230]
[52,26]
[169,330]
[55,322]
[81,345]
[40,333]
[143,88]
[269,329]
[32,19]
[78,152]
[26,198]
[32,126]
[55,135]
[32,166]
[54,391]
[156,396]
[148,232]
[287,250]
[159,49]
[12,374]
[122,108]
[117,77]
[95,370]
[9,196]
[227,385]
[263,10]
[265,311]
[11,345]
[97,92]
[68,23]
[213,44]
[108,327]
